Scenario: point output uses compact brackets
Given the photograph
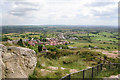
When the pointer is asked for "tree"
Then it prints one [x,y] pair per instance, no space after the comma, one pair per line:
[5,39]
[29,38]
[23,36]
[65,43]
[26,44]
[35,38]
[20,43]
[44,40]
[40,48]
[90,46]
[104,42]
[41,38]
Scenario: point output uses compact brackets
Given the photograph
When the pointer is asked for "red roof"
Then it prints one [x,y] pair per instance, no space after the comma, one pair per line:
[44,48]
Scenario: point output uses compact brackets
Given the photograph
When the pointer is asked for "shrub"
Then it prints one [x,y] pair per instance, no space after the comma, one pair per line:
[51,48]
[51,55]
[63,46]
[35,48]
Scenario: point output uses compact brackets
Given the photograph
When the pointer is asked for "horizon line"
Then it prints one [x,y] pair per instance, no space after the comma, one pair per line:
[54,25]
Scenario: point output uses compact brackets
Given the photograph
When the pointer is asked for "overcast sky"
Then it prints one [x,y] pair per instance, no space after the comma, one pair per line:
[59,12]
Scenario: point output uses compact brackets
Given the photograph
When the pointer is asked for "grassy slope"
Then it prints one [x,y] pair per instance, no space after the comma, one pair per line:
[77,60]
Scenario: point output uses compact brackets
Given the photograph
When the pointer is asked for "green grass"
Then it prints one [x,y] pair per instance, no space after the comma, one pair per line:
[108,72]
[68,60]
[72,62]
[12,35]
[81,45]
[80,34]
[102,38]
[77,60]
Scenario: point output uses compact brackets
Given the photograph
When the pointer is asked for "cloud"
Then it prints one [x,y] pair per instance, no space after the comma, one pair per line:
[22,11]
[22,8]
[100,4]
[26,3]
[60,12]
[111,12]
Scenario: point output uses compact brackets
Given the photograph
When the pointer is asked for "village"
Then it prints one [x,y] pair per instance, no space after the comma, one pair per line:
[33,42]
[61,39]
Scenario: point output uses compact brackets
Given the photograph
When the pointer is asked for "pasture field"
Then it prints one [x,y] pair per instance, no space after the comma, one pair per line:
[105,46]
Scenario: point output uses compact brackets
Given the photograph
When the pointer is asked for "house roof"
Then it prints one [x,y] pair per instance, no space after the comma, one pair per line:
[44,48]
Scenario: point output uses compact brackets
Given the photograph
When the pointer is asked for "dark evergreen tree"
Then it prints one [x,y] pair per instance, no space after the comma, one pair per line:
[20,43]
[40,48]
[29,38]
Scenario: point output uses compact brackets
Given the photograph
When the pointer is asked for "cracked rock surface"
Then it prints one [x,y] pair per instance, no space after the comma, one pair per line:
[16,62]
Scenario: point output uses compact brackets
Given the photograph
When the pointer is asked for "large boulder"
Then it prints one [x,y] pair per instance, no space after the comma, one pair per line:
[16,62]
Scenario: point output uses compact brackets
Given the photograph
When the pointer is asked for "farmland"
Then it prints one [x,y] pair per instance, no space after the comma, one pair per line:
[64,49]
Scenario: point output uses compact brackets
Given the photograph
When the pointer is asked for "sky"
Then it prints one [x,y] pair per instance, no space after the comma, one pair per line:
[59,12]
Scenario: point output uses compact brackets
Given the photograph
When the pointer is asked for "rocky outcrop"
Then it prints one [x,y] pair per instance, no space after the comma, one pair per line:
[16,62]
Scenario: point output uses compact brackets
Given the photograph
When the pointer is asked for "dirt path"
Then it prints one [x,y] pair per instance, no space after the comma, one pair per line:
[108,53]
[113,77]
[52,69]
[56,68]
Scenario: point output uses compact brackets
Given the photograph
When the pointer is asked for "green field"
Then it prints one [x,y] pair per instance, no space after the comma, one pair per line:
[67,58]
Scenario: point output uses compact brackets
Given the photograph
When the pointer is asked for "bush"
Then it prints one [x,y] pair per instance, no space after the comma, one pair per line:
[91,46]
[89,55]
[51,48]
[51,55]
[63,53]
[63,46]
[58,53]
[35,48]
